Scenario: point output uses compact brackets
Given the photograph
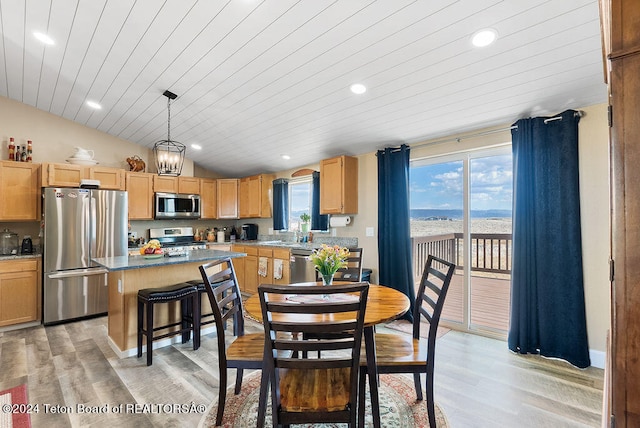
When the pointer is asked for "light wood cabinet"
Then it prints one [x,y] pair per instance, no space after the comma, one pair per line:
[208,198]
[139,186]
[19,291]
[339,185]
[265,253]
[110,178]
[189,185]
[62,175]
[251,270]
[165,184]
[19,191]
[227,197]
[284,256]
[255,196]
[70,175]
[238,265]
[170,184]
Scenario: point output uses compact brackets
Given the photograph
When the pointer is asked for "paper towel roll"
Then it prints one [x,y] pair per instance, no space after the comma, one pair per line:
[339,221]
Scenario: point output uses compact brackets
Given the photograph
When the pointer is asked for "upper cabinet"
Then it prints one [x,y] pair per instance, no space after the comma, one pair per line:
[165,184]
[189,185]
[255,196]
[170,184]
[62,175]
[139,187]
[19,191]
[68,175]
[110,178]
[227,197]
[339,185]
[208,198]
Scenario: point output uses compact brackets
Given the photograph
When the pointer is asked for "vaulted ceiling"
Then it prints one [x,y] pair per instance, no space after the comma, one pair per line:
[259,79]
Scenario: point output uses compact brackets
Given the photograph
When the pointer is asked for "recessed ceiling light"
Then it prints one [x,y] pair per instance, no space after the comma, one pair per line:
[94,105]
[285,157]
[358,88]
[484,37]
[43,38]
[196,146]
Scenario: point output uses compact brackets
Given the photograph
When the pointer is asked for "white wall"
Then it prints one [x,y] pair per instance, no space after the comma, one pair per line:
[55,138]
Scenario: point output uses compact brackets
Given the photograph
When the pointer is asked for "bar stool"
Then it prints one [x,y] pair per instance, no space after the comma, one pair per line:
[182,292]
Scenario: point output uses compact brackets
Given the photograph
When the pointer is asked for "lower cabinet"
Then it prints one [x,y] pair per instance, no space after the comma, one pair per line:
[250,270]
[19,291]
[283,257]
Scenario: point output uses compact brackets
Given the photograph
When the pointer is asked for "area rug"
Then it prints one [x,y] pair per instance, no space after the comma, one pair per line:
[14,408]
[398,406]
[407,327]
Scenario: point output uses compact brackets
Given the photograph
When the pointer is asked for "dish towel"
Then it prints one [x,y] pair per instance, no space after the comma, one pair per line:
[262,266]
[277,268]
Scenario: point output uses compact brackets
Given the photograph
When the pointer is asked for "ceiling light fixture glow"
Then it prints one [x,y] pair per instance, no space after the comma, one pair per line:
[196,146]
[358,88]
[285,157]
[484,37]
[43,38]
[94,105]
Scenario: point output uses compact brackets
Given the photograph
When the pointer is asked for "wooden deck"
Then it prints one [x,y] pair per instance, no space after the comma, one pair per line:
[490,302]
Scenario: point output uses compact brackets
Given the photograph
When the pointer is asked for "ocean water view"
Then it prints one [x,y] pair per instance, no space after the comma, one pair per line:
[441,214]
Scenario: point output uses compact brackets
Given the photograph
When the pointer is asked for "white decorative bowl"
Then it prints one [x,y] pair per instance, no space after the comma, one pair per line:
[76,161]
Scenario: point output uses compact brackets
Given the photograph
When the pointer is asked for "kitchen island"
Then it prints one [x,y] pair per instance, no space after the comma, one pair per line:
[128,274]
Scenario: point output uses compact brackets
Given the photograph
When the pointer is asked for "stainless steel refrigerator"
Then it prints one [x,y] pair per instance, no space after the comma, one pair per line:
[80,224]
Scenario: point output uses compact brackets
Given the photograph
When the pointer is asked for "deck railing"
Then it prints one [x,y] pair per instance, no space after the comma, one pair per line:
[490,252]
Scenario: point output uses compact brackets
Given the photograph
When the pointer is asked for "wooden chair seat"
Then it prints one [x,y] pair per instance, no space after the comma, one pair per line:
[398,349]
[248,347]
[399,353]
[309,390]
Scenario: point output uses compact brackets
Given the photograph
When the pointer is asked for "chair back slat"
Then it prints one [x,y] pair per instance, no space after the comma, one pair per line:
[220,282]
[289,313]
[353,271]
[434,285]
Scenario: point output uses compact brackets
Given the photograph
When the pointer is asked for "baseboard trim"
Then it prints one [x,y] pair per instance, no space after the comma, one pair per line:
[598,358]
[157,344]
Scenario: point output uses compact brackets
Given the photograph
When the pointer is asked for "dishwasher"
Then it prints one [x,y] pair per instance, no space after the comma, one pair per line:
[302,269]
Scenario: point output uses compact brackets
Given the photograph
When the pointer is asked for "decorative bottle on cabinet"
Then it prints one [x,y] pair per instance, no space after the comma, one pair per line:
[12,149]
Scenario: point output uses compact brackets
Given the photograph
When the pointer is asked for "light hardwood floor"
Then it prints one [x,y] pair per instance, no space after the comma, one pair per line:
[479,383]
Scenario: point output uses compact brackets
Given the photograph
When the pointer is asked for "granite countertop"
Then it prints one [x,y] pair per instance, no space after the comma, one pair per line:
[20,256]
[138,261]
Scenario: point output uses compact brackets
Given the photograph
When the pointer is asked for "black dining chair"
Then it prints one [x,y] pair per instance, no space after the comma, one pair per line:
[400,353]
[353,271]
[247,350]
[313,390]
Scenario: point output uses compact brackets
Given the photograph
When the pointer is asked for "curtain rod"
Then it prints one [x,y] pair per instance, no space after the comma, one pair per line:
[578,113]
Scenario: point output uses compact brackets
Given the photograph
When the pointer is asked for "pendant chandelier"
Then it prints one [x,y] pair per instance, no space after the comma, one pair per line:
[169,154]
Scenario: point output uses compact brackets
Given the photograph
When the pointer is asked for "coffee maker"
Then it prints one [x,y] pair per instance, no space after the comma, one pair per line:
[249,232]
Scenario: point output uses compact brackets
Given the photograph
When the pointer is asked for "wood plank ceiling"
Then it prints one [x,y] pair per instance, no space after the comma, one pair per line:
[258,79]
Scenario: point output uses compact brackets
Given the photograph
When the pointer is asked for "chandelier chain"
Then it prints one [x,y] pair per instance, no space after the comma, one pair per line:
[169,119]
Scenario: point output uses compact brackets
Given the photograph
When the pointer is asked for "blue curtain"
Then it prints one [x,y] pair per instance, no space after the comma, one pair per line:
[280,204]
[318,222]
[394,233]
[547,293]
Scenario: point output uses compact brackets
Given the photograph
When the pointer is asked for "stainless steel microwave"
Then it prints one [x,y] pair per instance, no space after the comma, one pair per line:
[177,205]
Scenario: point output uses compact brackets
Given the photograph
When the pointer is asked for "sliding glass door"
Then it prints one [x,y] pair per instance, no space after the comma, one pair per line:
[461,211]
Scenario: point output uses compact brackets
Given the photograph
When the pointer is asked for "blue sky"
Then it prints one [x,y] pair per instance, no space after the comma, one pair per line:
[440,186]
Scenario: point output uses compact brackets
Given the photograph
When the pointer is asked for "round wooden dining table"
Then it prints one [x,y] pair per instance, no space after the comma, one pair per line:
[383,304]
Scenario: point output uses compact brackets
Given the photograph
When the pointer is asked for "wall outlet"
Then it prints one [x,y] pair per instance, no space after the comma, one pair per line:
[369,231]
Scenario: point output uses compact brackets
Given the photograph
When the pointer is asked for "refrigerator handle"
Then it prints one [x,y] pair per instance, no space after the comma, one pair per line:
[92,220]
[59,275]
